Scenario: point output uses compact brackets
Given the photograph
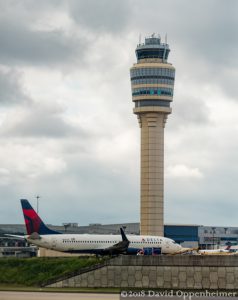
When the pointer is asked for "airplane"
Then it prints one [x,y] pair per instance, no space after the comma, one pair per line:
[39,234]
[226,251]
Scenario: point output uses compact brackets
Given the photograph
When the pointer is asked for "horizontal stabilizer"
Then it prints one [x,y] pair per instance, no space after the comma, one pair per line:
[21,237]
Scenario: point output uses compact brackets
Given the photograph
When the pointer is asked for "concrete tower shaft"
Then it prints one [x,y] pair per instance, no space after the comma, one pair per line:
[152,83]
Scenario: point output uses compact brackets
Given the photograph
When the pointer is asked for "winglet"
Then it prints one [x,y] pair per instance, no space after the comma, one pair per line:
[228,246]
[123,235]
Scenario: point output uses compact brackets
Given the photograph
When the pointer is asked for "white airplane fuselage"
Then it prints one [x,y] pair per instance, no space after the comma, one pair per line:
[90,243]
[213,251]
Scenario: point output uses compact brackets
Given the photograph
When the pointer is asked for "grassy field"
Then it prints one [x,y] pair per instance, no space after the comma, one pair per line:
[58,290]
[37,271]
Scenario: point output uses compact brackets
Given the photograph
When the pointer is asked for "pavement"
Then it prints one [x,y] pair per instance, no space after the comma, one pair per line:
[55,296]
[93,296]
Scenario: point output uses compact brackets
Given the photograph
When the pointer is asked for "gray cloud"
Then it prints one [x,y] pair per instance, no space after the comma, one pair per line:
[189,111]
[11,92]
[213,31]
[22,45]
[101,16]
[227,80]
[39,121]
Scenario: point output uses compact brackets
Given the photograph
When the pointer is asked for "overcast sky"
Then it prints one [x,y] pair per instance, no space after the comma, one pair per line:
[67,131]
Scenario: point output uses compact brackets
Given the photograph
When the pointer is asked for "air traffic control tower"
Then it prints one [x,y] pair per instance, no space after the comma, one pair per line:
[152,83]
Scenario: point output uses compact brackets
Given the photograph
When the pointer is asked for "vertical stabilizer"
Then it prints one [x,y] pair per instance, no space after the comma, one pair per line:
[33,221]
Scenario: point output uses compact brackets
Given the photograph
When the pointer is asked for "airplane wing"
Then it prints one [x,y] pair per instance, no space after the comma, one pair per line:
[120,247]
[33,236]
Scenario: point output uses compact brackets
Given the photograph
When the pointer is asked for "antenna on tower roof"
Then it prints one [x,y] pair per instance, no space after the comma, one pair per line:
[139,38]
[166,38]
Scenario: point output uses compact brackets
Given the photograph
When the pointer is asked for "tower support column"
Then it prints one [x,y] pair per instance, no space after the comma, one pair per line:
[152,173]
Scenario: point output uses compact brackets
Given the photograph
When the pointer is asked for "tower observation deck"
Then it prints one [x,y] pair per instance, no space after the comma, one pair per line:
[152,83]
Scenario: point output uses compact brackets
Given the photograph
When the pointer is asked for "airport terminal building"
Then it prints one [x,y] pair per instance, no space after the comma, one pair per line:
[205,237]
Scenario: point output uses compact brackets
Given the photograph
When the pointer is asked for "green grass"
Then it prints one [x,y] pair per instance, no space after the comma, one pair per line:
[37,271]
[58,290]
